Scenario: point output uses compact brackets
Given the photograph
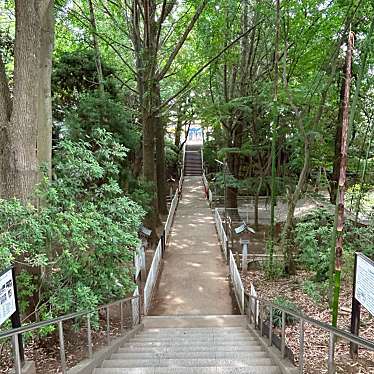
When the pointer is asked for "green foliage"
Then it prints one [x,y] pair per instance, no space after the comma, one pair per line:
[313,238]
[75,73]
[275,270]
[316,290]
[100,111]
[171,154]
[77,246]
[277,314]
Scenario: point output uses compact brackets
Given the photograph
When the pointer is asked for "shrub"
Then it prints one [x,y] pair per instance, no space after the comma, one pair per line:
[277,314]
[76,248]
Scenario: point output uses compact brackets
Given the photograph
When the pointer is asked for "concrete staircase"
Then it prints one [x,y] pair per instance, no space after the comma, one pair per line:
[193,164]
[189,345]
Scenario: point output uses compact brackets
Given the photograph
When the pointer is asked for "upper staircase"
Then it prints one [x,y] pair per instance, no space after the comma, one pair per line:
[189,345]
[193,162]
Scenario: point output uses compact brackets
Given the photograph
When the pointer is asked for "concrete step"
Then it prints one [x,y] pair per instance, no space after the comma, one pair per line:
[185,355]
[187,343]
[191,370]
[195,362]
[191,330]
[195,335]
[193,339]
[197,348]
[195,321]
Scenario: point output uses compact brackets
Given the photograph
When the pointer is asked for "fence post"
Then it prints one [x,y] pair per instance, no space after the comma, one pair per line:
[331,365]
[271,326]
[89,336]
[301,343]
[283,342]
[62,347]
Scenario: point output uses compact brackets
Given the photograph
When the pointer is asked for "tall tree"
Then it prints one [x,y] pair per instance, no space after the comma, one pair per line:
[19,116]
[342,179]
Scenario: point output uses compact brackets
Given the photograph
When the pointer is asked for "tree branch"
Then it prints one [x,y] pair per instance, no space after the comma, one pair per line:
[207,64]
[182,40]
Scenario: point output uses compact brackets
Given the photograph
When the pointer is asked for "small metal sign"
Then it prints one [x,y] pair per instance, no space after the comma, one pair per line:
[364,291]
[7,296]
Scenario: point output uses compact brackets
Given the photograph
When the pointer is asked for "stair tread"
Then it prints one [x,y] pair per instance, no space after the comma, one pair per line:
[193,348]
[191,370]
[195,354]
[202,362]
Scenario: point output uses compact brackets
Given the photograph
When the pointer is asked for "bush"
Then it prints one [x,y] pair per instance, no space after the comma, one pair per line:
[76,248]
[313,238]
[277,314]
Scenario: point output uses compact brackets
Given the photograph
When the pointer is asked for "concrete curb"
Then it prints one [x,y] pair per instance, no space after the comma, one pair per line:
[87,366]
[28,368]
[285,365]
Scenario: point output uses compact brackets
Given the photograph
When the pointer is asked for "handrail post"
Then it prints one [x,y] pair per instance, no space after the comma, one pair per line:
[250,301]
[17,355]
[260,318]
[283,342]
[331,364]
[271,326]
[301,343]
[139,309]
[108,324]
[121,315]
[62,347]
[89,336]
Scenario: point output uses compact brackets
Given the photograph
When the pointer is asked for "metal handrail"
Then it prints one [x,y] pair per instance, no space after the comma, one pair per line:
[333,331]
[325,326]
[14,333]
[38,325]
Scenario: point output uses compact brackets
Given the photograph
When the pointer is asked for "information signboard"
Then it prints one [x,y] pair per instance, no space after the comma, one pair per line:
[364,291]
[7,296]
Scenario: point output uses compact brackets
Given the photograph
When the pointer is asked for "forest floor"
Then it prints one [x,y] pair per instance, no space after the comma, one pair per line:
[316,341]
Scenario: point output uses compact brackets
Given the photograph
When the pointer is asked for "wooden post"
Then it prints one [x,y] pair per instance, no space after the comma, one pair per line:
[16,318]
[355,316]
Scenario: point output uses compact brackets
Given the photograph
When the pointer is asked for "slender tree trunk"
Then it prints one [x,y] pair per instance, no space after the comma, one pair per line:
[342,181]
[160,161]
[178,127]
[44,140]
[337,145]
[274,139]
[96,46]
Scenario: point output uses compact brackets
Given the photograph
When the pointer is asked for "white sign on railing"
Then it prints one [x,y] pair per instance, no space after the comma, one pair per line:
[139,260]
[221,232]
[7,298]
[237,283]
[253,303]
[365,282]
[152,277]
[135,307]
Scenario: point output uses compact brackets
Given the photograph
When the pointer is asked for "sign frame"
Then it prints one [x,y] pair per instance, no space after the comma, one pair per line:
[356,304]
[15,318]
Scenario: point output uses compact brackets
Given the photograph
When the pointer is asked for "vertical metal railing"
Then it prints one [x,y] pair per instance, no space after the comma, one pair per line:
[302,319]
[59,322]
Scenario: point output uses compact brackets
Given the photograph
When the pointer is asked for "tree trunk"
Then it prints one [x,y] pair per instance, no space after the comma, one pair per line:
[19,159]
[44,140]
[96,47]
[338,141]
[178,128]
[342,181]
[274,126]
[160,161]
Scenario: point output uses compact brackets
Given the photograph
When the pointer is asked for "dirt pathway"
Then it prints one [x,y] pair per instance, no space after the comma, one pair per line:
[194,278]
